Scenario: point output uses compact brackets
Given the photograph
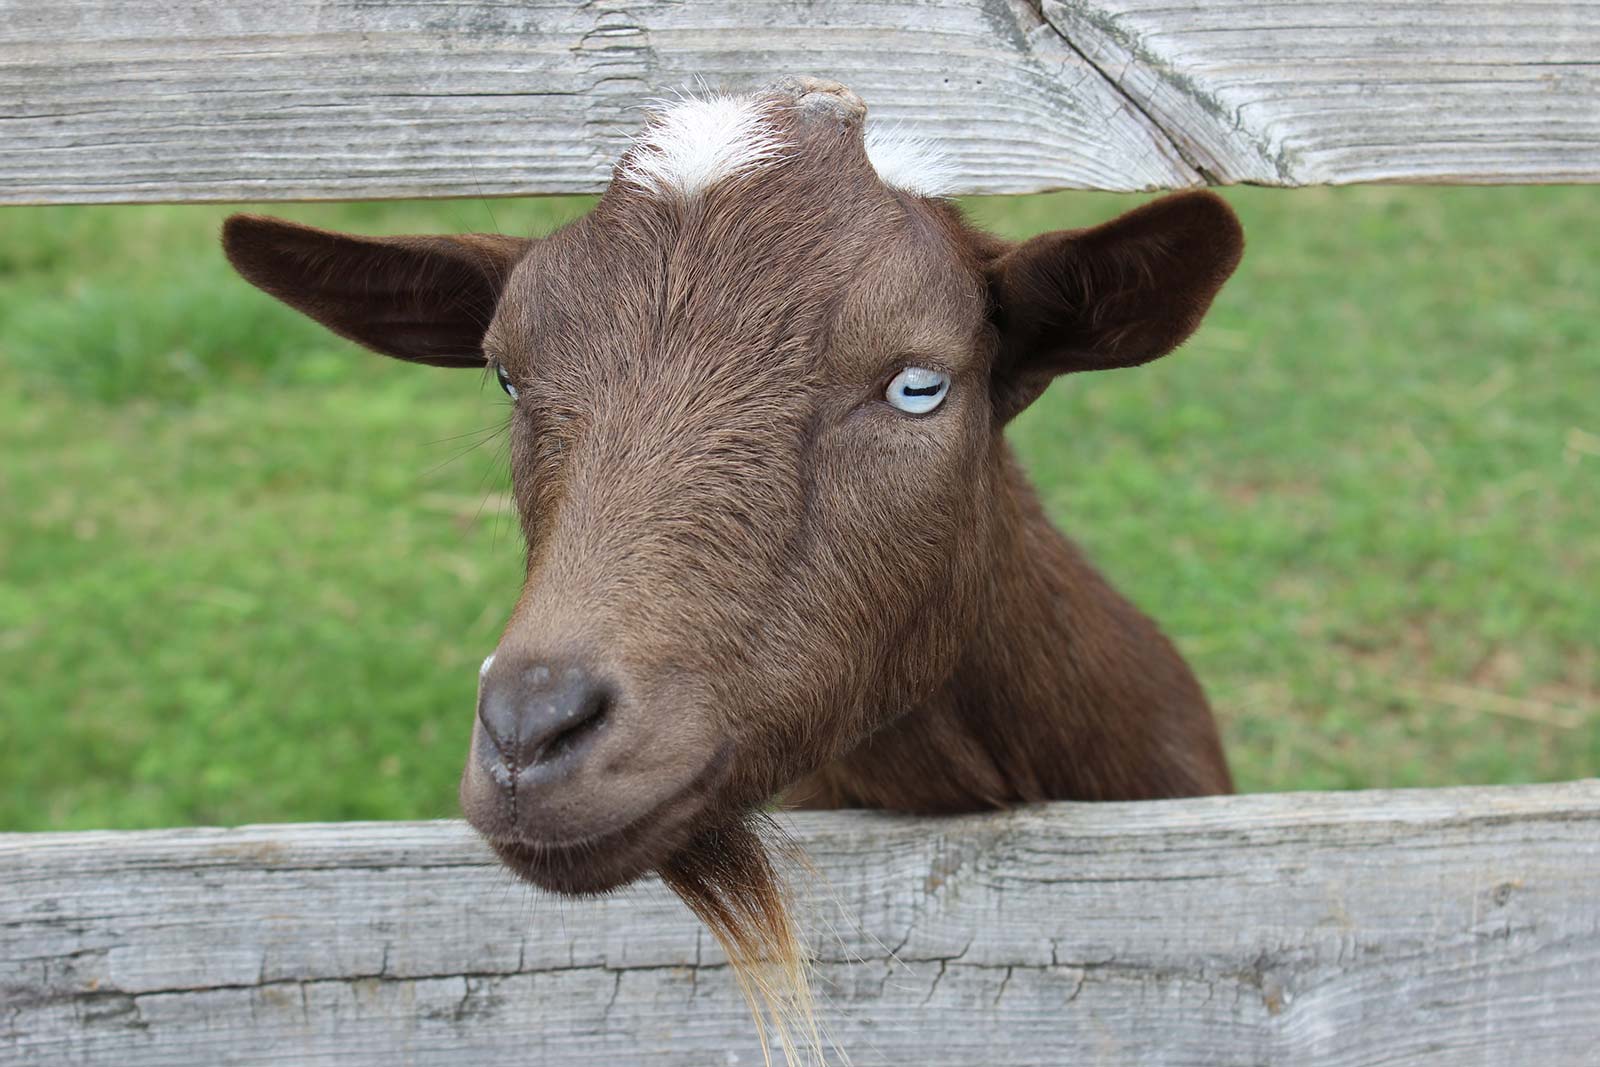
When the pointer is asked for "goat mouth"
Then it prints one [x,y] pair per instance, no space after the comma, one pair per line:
[605,861]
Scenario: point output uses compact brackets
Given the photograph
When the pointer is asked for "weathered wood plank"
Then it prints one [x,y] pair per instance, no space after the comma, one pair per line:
[1451,927]
[131,100]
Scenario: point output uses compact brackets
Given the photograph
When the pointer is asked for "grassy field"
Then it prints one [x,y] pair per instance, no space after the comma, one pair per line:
[247,572]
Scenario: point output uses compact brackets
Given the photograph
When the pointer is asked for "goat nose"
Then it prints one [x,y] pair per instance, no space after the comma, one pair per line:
[535,713]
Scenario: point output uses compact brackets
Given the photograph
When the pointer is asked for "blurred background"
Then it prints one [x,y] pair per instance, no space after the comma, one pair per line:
[247,571]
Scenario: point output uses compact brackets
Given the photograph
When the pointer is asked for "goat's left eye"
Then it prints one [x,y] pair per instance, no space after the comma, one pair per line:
[917,390]
[505,381]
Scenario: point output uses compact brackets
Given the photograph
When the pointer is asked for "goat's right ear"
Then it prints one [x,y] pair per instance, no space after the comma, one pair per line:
[423,299]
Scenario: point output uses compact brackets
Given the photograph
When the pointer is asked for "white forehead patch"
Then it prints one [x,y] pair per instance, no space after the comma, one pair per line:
[910,163]
[691,144]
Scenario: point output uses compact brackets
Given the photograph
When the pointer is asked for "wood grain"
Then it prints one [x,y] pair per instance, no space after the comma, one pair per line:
[1458,928]
[137,100]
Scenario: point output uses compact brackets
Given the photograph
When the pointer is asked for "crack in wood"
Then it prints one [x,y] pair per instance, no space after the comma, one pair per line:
[1116,86]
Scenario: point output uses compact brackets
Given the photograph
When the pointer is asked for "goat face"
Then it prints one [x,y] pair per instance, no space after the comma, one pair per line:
[755,441]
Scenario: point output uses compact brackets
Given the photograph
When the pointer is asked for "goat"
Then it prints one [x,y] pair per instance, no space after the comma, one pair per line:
[777,545]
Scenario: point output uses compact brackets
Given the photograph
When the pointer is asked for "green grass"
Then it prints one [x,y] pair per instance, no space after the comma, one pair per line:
[247,572]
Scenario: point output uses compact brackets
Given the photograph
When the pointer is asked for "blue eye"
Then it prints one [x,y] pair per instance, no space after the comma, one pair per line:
[917,390]
[505,381]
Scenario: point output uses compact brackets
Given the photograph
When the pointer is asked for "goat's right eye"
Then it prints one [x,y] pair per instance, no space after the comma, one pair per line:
[505,381]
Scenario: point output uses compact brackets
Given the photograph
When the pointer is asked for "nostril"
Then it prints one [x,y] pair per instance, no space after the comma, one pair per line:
[588,722]
[537,713]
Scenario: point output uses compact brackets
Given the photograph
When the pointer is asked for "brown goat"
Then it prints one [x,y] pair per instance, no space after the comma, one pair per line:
[777,543]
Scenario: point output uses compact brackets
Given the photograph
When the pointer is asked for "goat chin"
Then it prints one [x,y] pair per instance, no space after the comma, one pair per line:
[728,878]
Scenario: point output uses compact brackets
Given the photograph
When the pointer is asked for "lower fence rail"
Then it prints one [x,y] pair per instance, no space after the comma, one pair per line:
[1456,927]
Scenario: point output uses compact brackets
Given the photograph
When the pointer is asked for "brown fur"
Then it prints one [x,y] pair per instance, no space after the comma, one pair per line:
[775,582]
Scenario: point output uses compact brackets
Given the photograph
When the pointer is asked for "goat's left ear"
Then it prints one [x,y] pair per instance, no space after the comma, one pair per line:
[1120,294]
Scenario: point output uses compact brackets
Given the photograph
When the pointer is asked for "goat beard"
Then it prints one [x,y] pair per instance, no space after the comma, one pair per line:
[728,879]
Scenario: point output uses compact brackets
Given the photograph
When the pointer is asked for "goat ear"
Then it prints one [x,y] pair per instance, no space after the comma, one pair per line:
[423,299]
[1120,294]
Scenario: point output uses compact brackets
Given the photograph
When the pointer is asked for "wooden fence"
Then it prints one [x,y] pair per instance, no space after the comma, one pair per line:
[130,100]
[1457,927]
[1454,928]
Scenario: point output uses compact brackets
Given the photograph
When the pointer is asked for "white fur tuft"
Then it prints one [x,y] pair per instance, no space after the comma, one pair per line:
[913,164]
[691,144]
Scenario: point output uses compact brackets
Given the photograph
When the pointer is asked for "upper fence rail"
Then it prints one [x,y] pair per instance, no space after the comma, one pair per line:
[118,101]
